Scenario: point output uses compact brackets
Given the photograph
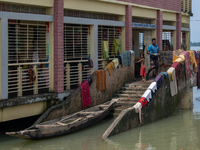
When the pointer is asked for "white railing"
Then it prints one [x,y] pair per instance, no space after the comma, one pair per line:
[19,83]
[76,73]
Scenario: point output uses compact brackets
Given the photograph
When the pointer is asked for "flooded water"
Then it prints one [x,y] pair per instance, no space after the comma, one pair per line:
[197,48]
[179,131]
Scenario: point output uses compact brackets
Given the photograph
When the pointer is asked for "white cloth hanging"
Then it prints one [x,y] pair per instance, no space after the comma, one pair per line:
[153,87]
[173,84]
[147,95]
[138,107]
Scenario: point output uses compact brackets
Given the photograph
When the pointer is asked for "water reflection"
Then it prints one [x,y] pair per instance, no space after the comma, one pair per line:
[177,132]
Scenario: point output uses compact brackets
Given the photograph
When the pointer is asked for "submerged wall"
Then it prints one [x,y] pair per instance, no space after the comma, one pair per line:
[73,103]
[161,106]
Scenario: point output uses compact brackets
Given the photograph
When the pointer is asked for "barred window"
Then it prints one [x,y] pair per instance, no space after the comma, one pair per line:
[106,33]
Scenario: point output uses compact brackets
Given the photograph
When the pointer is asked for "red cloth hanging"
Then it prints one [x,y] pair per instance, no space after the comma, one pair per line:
[85,94]
[143,101]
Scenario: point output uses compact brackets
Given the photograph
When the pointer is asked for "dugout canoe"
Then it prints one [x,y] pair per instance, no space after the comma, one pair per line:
[66,124]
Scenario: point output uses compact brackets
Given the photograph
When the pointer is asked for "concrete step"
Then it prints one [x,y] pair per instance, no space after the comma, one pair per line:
[130,92]
[128,104]
[119,109]
[134,89]
[128,95]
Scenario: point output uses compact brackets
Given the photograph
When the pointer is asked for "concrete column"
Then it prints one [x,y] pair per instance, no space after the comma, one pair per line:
[4,58]
[159,28]
[178,31]
[187,101]
[128,27]
[58,46]
[174,36]
[94,45]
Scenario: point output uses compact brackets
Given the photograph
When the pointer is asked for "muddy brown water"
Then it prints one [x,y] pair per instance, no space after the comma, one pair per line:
[177,132]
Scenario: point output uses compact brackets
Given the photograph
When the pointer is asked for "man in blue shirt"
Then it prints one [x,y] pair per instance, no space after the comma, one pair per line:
[153,51]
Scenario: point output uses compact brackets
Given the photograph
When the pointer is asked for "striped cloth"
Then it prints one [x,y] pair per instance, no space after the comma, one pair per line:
[177,68]
[85,94]
[126,58]
[110,67]
[187,64]
[101,80]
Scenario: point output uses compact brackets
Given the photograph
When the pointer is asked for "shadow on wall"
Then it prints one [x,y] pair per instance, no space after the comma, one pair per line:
[73,103]
[161,106]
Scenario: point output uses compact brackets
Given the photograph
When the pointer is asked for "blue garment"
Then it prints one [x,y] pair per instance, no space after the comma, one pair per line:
[196,57]
[126,58]
[165,74]
[153,49]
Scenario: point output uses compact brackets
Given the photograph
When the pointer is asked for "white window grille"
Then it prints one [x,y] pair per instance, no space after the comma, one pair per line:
[27,48]
[106,33]
[141,40]
[76,54]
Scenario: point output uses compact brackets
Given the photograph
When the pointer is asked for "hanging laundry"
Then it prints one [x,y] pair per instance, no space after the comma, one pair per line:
[116,62]
[126,58]
[85,94]
[176,53]
[181,59]
[143,101]
[120,59]
[89,81]
[147,95]
[110,67]
[187,64]
[197,60]
[192,59]
[105,50]
[138,107]
[198,74]
[166,75]
[177,68]
[170,76]
[159,81]
[90,63]
[132,52]
[101,80]
[31,75]
[116,46]
[173,84]
[153,87]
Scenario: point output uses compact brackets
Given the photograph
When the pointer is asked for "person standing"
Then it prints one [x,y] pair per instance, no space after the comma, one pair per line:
[153,51]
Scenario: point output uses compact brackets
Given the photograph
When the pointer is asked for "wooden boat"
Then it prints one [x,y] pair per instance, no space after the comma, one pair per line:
[66,124]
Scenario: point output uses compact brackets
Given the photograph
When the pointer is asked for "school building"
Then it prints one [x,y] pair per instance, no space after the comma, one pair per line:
[57,37]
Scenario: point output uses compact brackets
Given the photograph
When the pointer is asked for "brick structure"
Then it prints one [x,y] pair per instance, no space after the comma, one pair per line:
[159,28]
[178,31]
[173,5]
[128,27]
[58,46]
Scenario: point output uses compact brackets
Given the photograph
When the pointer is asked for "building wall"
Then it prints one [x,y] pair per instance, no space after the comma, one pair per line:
[163,4]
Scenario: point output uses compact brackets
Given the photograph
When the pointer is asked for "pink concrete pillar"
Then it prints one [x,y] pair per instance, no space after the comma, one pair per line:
[159,28]
[58,46]
[178,30]
[128,27]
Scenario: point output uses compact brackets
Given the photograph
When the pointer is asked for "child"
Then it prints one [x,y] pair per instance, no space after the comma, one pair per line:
[143,68]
